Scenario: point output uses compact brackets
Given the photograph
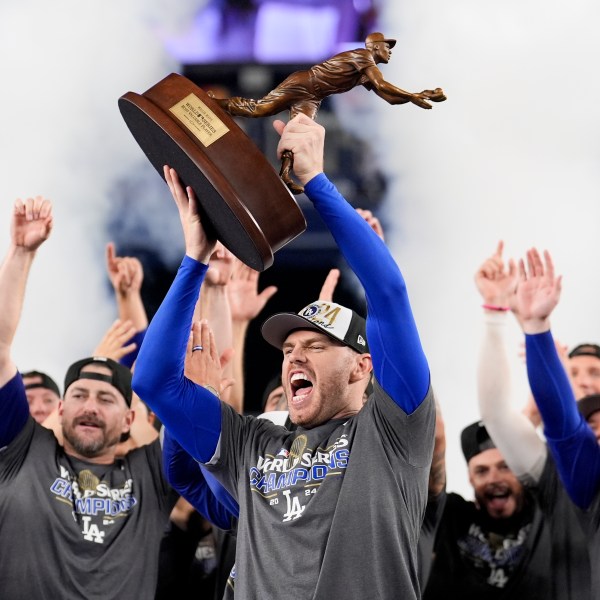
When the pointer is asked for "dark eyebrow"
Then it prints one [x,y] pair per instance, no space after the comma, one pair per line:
[321,339]
[100,393]
[80,389]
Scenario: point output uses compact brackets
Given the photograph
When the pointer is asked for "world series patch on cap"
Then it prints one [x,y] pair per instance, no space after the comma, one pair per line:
[335,320]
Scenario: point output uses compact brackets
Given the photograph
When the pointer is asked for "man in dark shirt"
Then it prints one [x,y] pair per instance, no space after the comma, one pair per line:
[505,543]
[319,494]
[75,521]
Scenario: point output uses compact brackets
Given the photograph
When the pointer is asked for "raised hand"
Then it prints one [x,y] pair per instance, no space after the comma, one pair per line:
[32,222]
[495,281]
[329,285]
[537,294]
[111,344]
[372,220]
[126,273]
[198,244]
[221,267]
[203,365]
[245,300]
[306,140]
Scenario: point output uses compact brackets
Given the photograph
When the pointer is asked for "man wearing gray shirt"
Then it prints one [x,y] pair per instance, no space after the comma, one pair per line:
[334,508]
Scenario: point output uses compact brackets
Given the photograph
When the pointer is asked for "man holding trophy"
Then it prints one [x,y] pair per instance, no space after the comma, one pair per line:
[315,519]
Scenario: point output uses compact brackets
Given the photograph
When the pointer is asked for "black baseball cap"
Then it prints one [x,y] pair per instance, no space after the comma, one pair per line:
[119,379]
[334,320]
[585,350]
[588,405]
[475,439]
[45,381]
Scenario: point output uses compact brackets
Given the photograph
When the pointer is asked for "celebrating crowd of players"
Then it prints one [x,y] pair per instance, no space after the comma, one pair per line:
[136,486]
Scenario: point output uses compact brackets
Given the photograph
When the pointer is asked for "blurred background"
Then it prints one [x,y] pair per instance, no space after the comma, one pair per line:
[512,154]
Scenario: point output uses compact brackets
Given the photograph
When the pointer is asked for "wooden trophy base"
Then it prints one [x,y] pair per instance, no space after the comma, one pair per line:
[241,196]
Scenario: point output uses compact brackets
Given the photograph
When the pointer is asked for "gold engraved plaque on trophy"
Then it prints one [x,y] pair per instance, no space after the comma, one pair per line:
[242,199]
[199,119]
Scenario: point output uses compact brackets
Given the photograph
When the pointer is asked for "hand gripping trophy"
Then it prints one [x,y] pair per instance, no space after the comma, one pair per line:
[303,91]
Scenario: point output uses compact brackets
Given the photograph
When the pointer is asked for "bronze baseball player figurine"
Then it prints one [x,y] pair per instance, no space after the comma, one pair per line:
[303,91]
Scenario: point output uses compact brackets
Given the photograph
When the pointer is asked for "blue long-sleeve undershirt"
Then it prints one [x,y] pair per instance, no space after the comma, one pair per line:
[198,486]
[130,358]
[570,439]
[399,363]
[193,414]
[189,411]
[14,409]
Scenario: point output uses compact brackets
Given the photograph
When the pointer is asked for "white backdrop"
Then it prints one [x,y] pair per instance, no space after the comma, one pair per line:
[64,65]
[511,155]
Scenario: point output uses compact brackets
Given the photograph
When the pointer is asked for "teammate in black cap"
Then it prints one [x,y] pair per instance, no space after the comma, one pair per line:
[584,369]
[573,444]
[75,521]
[43,394]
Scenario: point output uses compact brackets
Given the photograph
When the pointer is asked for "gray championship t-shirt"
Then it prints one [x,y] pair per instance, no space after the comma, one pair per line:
[590,523]
[71,529]
[329,512]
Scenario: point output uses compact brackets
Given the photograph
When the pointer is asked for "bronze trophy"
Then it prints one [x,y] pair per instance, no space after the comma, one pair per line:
[243,200]
[247,204]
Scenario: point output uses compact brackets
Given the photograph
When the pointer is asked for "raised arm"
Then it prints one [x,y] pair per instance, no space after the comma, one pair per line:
[569,437]
[126,275]
[333,277]
[399,363]
[115,342]
[394,95]
[198,487]
[31,225]
[246,303]
[513,433]
[213,305]
[191,412]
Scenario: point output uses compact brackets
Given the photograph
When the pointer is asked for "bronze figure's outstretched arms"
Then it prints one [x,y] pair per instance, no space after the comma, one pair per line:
[303,91]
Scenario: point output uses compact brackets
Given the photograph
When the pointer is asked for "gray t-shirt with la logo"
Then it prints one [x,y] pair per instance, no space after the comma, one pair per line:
[329,512]
[71,529]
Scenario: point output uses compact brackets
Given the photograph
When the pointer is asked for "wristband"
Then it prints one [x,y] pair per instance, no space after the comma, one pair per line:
[496,308]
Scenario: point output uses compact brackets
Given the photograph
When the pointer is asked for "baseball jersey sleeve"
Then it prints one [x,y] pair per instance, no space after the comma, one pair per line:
[130,358]
[198,487]
[399,363]
[14,410]
[570,439]
[189,411]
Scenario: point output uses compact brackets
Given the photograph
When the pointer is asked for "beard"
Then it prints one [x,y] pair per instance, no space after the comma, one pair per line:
[88,446]
[329,398]
[507,508]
